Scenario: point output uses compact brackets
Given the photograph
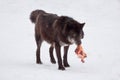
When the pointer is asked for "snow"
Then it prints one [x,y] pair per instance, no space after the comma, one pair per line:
[101,42]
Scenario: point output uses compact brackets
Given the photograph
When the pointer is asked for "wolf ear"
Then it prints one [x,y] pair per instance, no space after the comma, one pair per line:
[82,25]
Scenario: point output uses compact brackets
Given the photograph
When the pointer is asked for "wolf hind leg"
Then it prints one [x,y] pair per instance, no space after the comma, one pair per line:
[38,42]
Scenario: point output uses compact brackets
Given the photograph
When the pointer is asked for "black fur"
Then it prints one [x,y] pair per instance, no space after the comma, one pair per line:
[58,31]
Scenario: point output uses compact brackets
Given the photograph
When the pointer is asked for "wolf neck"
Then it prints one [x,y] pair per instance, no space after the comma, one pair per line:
[66,41]
[63,43]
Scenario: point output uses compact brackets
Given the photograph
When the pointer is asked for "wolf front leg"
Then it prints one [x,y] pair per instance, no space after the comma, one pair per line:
[65,56]
[58,53]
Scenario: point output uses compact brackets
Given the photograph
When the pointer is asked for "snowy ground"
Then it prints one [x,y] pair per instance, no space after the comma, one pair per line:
[101,42]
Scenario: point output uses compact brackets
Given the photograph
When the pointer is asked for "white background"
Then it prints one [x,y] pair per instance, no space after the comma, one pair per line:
[101,41]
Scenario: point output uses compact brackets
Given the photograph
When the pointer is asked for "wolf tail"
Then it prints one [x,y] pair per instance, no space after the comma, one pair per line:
[34,14]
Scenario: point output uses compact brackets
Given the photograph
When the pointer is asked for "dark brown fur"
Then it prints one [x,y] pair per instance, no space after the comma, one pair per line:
[56,30]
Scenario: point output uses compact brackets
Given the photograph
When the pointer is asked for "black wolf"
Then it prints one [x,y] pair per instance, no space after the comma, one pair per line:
[58,31]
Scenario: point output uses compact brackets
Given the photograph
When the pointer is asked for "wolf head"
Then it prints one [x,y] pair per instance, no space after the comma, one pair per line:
[75,32]
[72,29]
